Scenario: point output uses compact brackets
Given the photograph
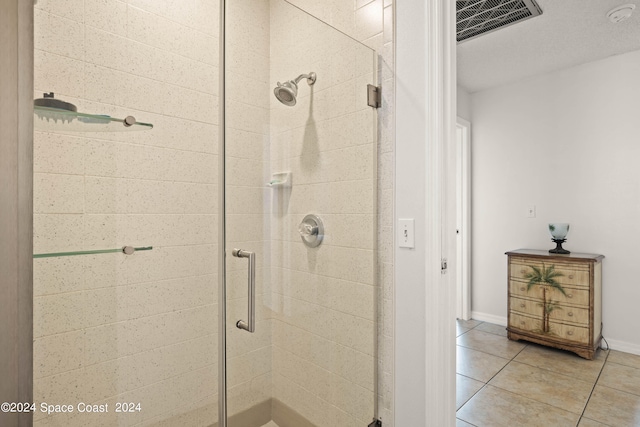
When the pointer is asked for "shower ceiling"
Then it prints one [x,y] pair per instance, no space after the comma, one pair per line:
[477,17]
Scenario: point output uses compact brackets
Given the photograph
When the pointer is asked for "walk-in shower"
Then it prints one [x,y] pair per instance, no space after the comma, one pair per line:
[287,92]
[174,325]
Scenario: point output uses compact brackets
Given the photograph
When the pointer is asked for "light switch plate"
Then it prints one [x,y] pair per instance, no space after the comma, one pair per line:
[406,233]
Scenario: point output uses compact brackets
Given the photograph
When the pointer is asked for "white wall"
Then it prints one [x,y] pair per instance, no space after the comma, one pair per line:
[463,104]
[566,142]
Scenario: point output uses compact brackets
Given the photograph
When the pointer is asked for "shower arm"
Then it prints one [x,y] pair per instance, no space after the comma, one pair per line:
[311,78]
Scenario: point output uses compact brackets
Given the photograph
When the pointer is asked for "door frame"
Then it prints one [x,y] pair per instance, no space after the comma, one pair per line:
[16,207]
[424,327]
[462,171]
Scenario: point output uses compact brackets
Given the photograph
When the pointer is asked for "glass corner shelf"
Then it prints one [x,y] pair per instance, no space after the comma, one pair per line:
[56,119]
[127,250]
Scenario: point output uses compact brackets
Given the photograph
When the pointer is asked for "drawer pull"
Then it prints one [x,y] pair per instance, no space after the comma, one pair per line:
[522,305]
[522,322]
[570,333]
[570,314]
[523,271]
[571,276]
[570,296]
[522,288]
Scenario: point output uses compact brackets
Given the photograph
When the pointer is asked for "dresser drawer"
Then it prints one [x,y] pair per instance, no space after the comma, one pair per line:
[576,315]
[557,330]
[560,264]
[570,275]
[525,323]
[558,312]
[570,333]
[530,307]
[575,296]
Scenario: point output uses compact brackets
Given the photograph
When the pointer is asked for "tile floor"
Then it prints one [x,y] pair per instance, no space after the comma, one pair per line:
[509,383]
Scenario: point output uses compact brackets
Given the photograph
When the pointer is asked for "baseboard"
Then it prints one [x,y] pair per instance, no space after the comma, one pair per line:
[489,318]
[623,346]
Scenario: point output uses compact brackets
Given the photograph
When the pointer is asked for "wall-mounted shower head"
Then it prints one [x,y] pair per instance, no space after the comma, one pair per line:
[288,91]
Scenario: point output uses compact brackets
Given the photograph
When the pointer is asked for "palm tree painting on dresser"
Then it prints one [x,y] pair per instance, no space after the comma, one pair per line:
[546,279]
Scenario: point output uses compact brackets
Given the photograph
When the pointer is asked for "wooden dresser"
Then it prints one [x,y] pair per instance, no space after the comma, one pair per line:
[556,300]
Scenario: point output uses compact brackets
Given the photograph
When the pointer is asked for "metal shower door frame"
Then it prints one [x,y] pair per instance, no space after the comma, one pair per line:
[222,288]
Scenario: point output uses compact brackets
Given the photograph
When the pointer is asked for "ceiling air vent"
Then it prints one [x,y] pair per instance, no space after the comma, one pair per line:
[477,17]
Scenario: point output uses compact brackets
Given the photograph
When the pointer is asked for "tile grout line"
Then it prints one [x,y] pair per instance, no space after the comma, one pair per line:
[593,388]
[470,397]
[484,352]
[467,422]
[491,354]
[507,364]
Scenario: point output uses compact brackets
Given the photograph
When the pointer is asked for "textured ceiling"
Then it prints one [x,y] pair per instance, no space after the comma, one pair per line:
[568,33]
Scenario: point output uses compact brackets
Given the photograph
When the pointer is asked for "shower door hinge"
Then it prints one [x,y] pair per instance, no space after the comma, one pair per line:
[374,96]
[375,423]
[443,266]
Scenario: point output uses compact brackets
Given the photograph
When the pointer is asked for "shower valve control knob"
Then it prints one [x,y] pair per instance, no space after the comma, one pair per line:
[311,230]
[307,230]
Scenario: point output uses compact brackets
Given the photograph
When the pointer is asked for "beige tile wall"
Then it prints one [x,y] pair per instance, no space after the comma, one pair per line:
[143,328]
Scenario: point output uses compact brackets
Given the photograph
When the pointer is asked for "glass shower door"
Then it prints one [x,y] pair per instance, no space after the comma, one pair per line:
[300,191]
[126,338]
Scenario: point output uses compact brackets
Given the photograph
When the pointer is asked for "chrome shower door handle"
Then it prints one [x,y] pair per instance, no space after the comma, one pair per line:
[250,324]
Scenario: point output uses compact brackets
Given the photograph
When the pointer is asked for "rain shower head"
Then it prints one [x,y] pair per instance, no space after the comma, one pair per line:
[288,91]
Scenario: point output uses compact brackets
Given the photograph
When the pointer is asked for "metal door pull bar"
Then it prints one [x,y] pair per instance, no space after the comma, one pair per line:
[250,325]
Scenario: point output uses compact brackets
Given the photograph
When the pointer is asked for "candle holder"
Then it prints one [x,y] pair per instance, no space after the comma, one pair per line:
[559,232]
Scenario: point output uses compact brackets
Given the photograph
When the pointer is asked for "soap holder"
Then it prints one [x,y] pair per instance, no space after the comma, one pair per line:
[280,180]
